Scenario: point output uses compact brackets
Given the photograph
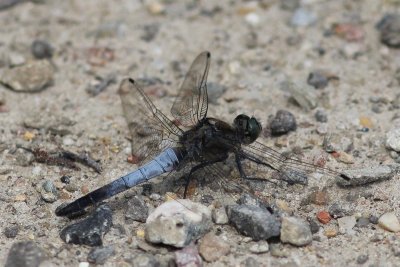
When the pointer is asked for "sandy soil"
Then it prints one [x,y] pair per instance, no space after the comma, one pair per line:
[253,77]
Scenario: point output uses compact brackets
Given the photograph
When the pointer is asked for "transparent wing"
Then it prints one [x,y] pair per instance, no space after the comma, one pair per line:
[151,131]
[290,169]
[191,103]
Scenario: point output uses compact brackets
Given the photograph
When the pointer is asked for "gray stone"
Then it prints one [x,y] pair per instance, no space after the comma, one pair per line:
[283,122]
[302,18]
[362,222]
[90,230]
[178,223]
[215,91]
[99,255]
[317,79]
[363,258]
[25,254]
[137,210]
[337,211]
[255,222]
[346,225]
[144,260]
[31,77]
[11,231]
[41,49]
[259,247]
[301,93]
[295,231]
[337,143]
[321,116]
[369,174]
[393,139]
[219,216]
[389,28]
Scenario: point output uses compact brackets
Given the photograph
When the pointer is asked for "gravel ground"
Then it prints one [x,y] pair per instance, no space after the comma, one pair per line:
[327,55]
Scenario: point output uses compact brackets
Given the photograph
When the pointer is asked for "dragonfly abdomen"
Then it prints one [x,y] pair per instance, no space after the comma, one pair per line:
[166,161]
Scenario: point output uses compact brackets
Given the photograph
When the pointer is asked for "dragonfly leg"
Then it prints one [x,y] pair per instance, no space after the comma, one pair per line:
[243,175]
[200,166]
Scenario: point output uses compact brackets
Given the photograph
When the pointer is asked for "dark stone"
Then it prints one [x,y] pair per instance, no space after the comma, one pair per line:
[283,122]
[25,254]
[90,230]
[65,179]
[150,31]
[99,255]
[206,199]
[314,227]
[253,221]
[137,210]
[41,49]
[321,116]
[389,28]
[11,231]
[336,211]
[318,80]
[373,219]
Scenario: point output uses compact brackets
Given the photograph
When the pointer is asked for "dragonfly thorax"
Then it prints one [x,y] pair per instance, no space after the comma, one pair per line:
[248,129]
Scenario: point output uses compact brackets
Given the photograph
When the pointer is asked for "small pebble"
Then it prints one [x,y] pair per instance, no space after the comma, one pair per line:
[187,256]
[389,222]
[373,219]
[337,211]
[252,19]
[67,141]
[155,8]
[363,258]
[314,227]
[16,59]
[319,197]
[331,232]
[295,231]
[346,225]
[99,255]
[302,18]
[317,79]
[323,217]
[321,116]
[25,254]
[11,231]
[301,93]
[137,210]
[65,179]
[345,157]
[362,222]
[389,28]
[212,247]
[219,216]
[84,264]
[393,139]
[337,142]
[259,247]
[283,122]
[177,223]
[41,49]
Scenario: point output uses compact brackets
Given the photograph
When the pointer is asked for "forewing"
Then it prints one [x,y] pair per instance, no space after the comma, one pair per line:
[191,103]
[290,169]
[151,131]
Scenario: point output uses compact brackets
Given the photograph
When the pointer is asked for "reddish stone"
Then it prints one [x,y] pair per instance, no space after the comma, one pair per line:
[323,217]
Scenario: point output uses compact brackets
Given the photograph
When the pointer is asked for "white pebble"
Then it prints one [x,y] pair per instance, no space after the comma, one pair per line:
[253,19]
[84,264]
[68,141]
[389,222]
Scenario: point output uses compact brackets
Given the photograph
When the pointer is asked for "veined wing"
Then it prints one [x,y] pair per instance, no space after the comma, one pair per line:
[151,131]
[191,103]
[287,166]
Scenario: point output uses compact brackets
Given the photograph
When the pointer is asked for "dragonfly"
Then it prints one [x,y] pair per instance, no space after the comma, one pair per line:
[191,141]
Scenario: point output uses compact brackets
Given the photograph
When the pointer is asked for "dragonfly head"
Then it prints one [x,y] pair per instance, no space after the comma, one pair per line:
[247,128]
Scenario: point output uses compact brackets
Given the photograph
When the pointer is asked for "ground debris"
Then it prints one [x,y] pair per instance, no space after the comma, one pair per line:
[101,85]
[64,158]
